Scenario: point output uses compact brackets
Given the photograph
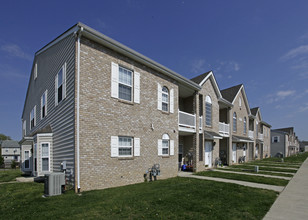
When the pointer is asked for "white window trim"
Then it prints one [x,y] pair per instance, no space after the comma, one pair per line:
[115,147]
[63,84]
[34,118]
[168,97]
[245,125]
[28,159]
[35,71]
[208,101]
[135,87]
[132,147]
[165,137]
[44,94]
[234,119]
[45,157]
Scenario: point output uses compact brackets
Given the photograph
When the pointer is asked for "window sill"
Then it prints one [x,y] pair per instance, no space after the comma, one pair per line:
[166,113]
[125,158]
[165,156]
[125,102]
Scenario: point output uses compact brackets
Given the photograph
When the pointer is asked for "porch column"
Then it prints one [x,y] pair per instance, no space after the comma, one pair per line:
[196,135]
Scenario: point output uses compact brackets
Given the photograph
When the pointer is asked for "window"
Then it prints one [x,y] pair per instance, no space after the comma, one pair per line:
[240,102]
[234,122]
[35,71]
[24,124]
[208,111]
[44,105]
[125,83]
[165,146]
[45,157]
[125,146]
[275,139]
[165,99]
[27,159]
[245,125]
[60,85]
[33,118]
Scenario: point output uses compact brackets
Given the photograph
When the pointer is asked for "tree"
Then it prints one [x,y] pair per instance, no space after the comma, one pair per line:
[4,137]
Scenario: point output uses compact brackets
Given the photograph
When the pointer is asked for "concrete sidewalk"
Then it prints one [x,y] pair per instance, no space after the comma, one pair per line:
[292,203]
[243,183]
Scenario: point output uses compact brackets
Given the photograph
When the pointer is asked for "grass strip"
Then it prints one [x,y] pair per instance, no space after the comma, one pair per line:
[260,172]
[265,168]
[247,178]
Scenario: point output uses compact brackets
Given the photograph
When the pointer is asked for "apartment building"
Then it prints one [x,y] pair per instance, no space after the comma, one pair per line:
[284,142]
[104,114]
[10,151]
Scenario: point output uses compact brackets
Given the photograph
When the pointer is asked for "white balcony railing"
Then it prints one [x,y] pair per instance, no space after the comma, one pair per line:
[250,134]
[224,129]
[260,136]
[187,120]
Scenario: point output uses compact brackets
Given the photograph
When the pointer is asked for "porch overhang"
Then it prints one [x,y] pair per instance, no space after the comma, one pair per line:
[241,139]
[210,135]
[26,141]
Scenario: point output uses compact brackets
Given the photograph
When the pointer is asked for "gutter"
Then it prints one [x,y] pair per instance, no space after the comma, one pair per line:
[77,110]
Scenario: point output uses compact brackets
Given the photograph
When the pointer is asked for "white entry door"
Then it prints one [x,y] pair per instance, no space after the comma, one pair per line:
[208,153]
[234,152]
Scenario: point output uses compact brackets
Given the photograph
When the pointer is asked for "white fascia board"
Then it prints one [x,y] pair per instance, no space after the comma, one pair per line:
[43,135]
[212,77]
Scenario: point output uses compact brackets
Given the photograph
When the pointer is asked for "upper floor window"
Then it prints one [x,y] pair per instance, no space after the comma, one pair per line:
[44,105]
[234,122]
[245,125]
[35,71]
[240,102]
[275,139]
[24,127]
[33,118]
[60,85]
[125,83]
[165,99]
[208,111]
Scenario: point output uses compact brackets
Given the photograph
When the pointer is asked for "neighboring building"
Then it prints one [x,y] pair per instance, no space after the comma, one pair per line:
[10,151]
[303,146]
[261,131]
[107,114]
[284,142]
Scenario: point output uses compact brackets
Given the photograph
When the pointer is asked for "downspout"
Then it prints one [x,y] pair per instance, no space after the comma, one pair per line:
[77,113]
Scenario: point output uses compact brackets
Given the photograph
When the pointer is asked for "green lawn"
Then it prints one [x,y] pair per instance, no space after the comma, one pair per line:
[9,175]
[243,177]
[175,198]
[261,163]
[251,170]
[298,158]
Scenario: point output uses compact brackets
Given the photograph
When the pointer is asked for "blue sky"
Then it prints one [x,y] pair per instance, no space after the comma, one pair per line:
[262,44]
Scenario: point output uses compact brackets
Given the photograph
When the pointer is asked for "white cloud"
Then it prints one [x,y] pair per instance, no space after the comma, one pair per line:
[283,94]
[303,108]
[295,52]
[15,51]
[198,66]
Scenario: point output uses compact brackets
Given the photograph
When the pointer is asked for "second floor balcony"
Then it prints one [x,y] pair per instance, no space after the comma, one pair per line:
[250,134]
[260,136]
[187,122]
[224,129]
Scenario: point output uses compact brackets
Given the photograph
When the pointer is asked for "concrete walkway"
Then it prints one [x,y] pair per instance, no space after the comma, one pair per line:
[269,171]
[243,183]
[292,203]
[287,168]
[253,174]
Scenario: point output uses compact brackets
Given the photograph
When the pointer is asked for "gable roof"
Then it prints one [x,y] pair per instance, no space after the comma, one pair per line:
[254,111]
[200,78]
[230,93]
[10,144]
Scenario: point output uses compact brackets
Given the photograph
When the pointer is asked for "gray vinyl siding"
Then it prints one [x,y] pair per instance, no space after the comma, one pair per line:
[61,118]
[280,146]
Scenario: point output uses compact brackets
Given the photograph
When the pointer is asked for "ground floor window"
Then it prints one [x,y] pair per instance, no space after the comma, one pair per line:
[125,146]
[45,157]
[27,159]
